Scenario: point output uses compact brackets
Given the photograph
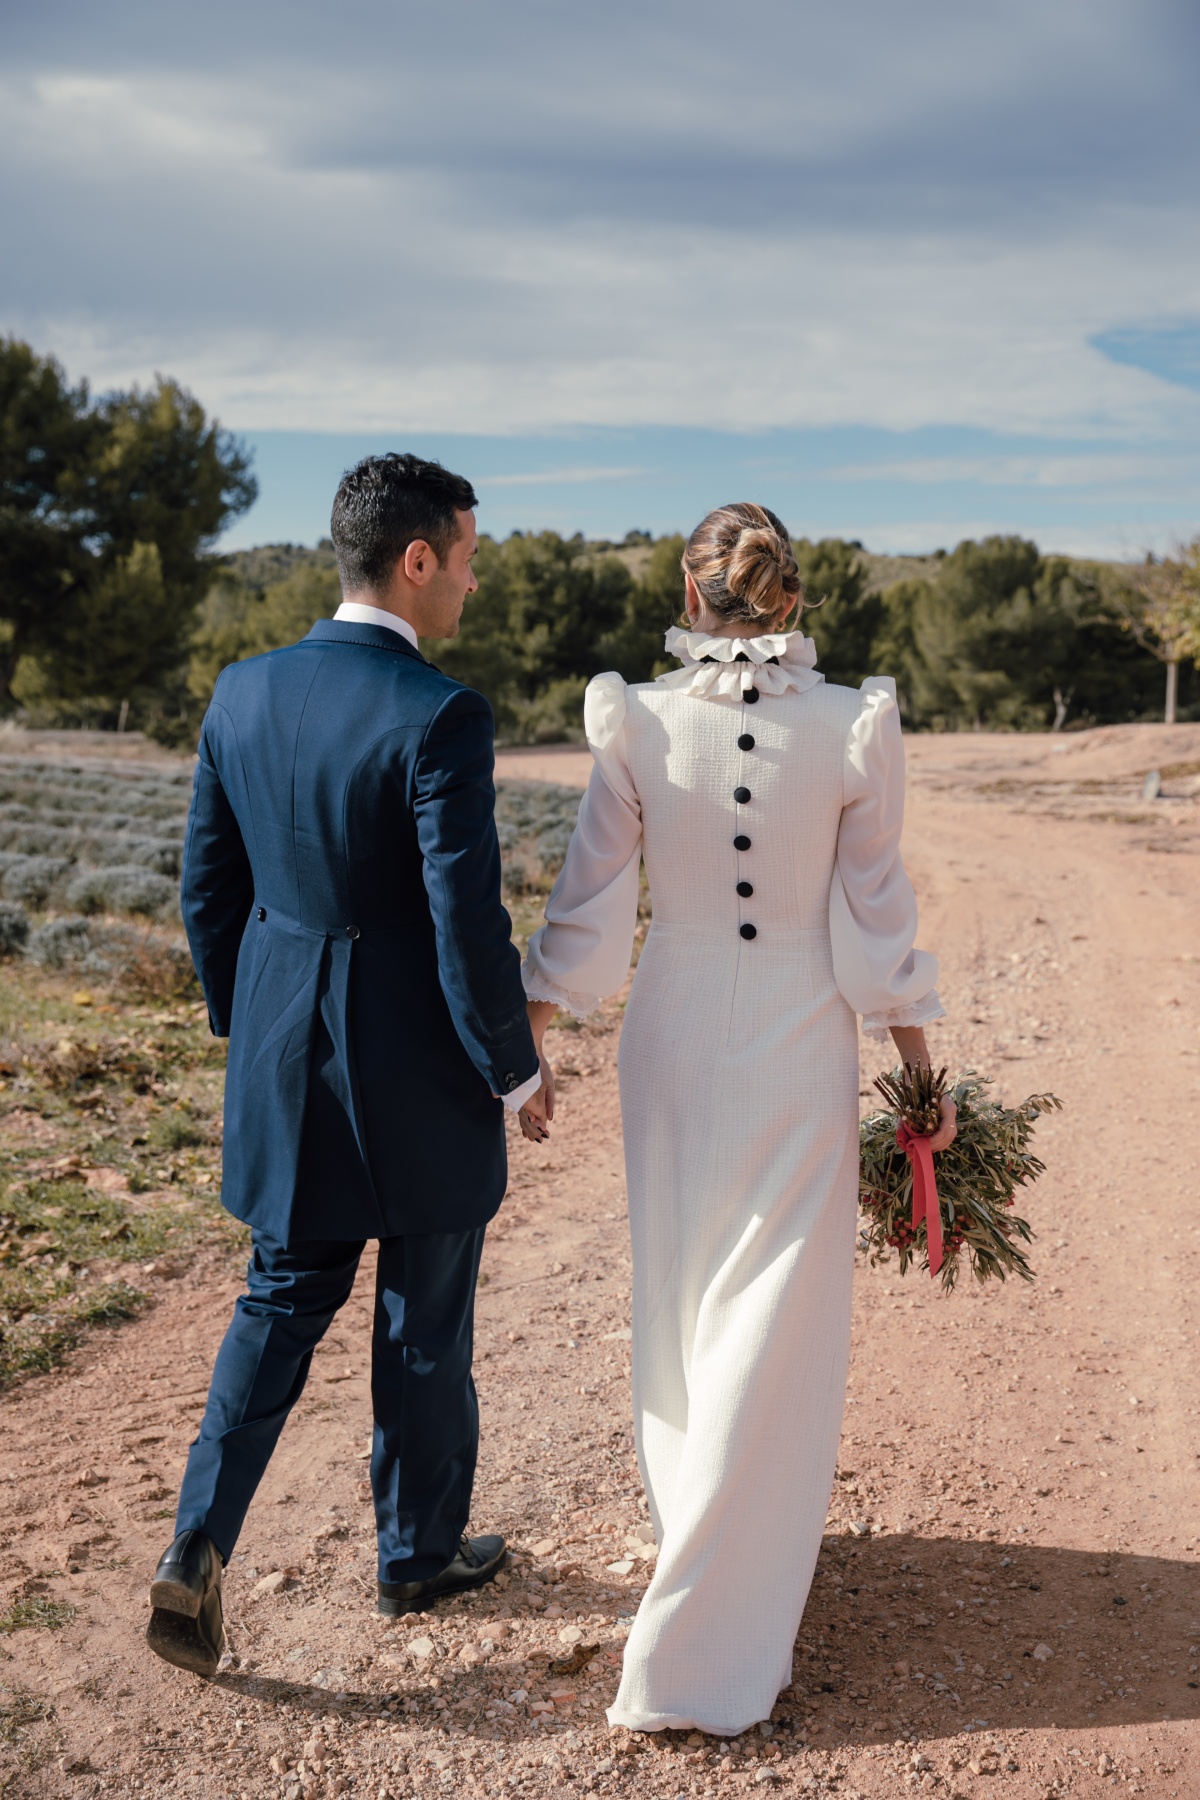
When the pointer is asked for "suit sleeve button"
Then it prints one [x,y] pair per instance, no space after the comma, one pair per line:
[262,913]
[510,1082]
[352,931]
[741,795]
[748,931]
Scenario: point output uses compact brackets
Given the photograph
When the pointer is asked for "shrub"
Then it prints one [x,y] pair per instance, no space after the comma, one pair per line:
[123,889]
[61,941]
[30,878]
[534,822]
[14,929]
[142,964]
[555,716]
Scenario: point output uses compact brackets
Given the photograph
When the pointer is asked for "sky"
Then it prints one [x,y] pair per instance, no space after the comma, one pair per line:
[905,274]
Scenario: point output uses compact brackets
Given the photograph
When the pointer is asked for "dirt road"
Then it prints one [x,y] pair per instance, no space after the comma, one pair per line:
[1009,1597]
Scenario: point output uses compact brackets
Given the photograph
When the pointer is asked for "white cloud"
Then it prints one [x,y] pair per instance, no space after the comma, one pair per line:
[556,477]
[517,220]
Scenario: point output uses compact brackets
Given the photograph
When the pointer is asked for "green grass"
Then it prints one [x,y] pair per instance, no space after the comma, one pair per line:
[93,1088]
[38,1341]
[36,1613]
[19,1709]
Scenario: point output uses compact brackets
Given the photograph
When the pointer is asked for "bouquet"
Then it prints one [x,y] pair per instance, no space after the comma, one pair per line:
[969,1205]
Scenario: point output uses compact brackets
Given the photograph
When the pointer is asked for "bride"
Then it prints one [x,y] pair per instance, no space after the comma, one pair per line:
[767,807]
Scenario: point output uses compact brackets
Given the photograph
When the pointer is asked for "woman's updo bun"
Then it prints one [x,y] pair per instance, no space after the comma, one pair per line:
[740,558]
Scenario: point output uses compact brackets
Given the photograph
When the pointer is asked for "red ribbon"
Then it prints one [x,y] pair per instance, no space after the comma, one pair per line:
[925,1195]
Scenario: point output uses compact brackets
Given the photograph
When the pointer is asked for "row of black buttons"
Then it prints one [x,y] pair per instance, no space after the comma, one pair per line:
[742,796]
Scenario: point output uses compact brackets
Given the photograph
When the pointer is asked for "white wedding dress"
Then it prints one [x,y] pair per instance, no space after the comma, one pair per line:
[768,808]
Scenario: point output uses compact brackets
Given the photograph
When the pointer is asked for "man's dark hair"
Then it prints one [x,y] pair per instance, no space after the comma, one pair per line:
[384,504]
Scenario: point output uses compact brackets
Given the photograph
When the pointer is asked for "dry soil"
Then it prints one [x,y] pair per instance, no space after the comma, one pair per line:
[1008,1601]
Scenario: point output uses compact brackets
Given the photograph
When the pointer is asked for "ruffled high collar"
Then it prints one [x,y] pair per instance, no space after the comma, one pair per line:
[724,667]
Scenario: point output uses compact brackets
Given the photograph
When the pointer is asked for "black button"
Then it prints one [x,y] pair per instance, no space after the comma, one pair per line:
[262,913]
[745,742]
[741,795]
[748,931]
[741,842]
[750,697]
[352,931]
[510,1082]
[745,889]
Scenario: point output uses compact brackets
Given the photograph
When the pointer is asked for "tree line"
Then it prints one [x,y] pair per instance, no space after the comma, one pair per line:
[116,609]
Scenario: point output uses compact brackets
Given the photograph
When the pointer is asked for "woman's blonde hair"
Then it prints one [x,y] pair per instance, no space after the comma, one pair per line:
[740,558]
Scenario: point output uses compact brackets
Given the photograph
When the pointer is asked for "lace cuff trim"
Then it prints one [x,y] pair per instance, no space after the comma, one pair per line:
[538,988]
[921,1012]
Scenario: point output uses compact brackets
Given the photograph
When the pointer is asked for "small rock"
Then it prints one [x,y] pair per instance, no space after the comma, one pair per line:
[1042,1653]
[275,1583]
[1152,785]
[570,1634]
[420,1648]
[1104,1765]
[89,1479]
[546,1547]
[621,1568]
[83,997]
[763,1776]
[859,1528]
[643,1533]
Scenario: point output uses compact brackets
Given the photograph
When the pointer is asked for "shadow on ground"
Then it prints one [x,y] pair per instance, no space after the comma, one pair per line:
[902,1635]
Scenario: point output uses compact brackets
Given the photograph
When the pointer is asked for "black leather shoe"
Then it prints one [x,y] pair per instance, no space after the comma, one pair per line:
[478,1561]
[186,1626]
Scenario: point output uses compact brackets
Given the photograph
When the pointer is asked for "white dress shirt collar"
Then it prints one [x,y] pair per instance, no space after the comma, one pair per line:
[357,612]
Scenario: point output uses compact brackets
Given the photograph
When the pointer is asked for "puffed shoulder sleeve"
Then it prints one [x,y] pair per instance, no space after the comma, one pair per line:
[581,954]
[872,907]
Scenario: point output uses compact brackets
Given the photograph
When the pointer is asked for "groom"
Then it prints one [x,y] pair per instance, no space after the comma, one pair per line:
[341,892]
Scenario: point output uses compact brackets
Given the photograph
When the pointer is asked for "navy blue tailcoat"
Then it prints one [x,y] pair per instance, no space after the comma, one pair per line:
[341,893]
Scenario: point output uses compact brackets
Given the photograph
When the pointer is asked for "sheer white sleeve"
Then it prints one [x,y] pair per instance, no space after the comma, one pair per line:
[872,907]
[581,954]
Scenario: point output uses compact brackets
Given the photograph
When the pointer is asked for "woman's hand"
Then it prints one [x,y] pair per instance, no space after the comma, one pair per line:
[910,1042]
[947,1131]
[537,1112]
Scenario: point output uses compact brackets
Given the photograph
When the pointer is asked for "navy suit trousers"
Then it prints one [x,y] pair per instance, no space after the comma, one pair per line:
[426,1416]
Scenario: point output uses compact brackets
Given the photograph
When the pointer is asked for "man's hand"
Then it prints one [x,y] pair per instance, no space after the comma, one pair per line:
[537,1112]
[947,1131]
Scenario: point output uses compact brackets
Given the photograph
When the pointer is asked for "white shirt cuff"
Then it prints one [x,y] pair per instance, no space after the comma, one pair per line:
[516,1100]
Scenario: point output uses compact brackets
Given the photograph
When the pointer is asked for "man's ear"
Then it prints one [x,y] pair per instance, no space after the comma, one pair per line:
[419,562]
